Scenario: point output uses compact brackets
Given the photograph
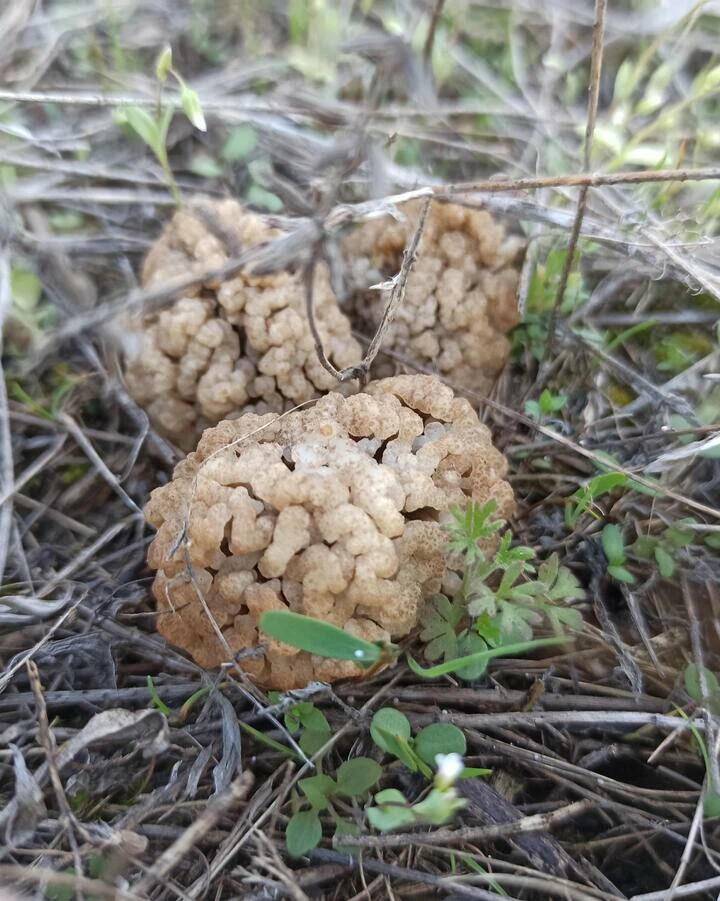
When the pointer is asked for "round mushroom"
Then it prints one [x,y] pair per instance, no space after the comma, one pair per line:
[335,511]
[461,295]
[225,349]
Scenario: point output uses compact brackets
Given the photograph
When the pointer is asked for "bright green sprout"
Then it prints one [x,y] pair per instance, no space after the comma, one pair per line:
[614,546]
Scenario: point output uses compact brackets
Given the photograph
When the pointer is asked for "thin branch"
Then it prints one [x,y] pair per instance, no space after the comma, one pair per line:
[591,179]
[594,93]
[432,29]
[535,823]
[398,291]
[7,487]
[397,295]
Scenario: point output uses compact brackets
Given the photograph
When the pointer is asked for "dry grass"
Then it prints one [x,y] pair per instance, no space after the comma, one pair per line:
[103,794]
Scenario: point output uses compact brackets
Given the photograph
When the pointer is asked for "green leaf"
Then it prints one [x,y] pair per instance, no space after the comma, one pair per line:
[551,403]
[644,546]
[163,64]
[191,107]
[389,722]
[451,666]
[510,576]
[318,789]
[260,197]
[440,621]
[313,739]
[294,715]
[567,587]
[438,807]
[613,544]
[488,628]
[303,833]
[205,166]
[156,699]
[143,124]
[625,80]
[318,637]
[391,812]
[439,738]
[516,623]
[471,525]
[621,574]
[315,727]
[26,289]
[269,742]
[679,537]
[665,563]
[472,643]
[564,616]
[357,776]
[692,683]
[473,772]
[240,142]
[548,571]
[482,601]
[711,804]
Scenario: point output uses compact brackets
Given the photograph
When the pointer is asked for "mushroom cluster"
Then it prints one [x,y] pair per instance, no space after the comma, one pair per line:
[461,296]
[223,349]
[335,511]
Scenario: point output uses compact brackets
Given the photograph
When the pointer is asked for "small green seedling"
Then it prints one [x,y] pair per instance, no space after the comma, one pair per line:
[312,724]
[546,405]
[152,128]
[502,599]
[354,780]
[693,680]
[663,548]
[392,809]
[470,526]
[583,500]
[391,731]
[614,546]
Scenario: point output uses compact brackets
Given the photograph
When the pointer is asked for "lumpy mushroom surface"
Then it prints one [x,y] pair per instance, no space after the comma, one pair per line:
[224,349]
[461,296]
[335,511]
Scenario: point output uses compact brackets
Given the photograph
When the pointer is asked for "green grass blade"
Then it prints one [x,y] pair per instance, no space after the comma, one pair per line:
[451,666]
[156,699]
[269,742]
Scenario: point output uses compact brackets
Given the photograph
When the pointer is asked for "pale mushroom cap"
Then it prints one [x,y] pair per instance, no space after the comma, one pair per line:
[222,350]
[460,300]
[335,511]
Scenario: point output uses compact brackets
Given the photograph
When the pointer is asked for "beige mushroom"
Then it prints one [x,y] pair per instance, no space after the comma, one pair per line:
[335,511]
[460,301]
[244,345]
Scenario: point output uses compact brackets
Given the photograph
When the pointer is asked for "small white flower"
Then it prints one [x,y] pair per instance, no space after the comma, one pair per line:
[449,767]
[360,654]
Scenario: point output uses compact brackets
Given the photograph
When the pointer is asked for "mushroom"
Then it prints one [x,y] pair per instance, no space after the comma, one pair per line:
[460,300]
[225,349]
[335,511]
